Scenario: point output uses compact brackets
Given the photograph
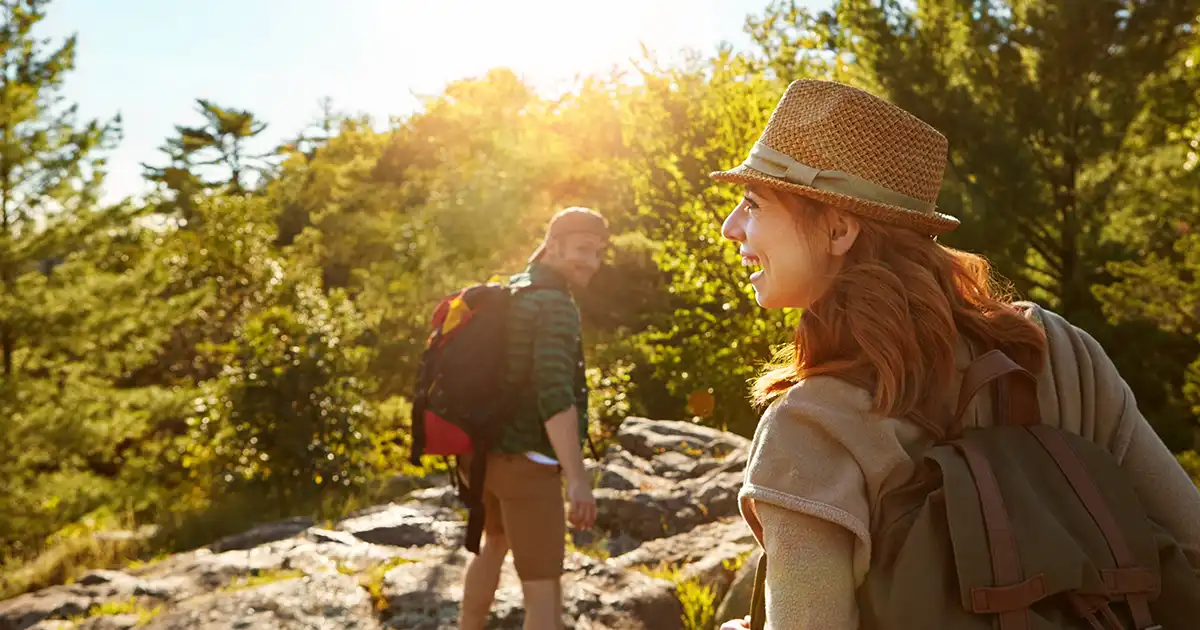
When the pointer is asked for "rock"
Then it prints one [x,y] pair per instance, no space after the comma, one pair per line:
[51,624]
[441,496]
[673,465]
[706,553]
[318,602]
[404,526]
[427,596]
[647,438]
[65,601]
[269,532]
[319,535]
[617,477]
[110,622]
[736,603]
[95,578]
[52,603]
[629,461]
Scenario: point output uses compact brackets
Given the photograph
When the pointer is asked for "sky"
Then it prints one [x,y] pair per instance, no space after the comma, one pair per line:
[149,60]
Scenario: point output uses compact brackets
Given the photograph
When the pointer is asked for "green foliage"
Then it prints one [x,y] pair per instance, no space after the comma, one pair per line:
[1190,461]
[290,410]
[220,145]
[699,605]
[685,124]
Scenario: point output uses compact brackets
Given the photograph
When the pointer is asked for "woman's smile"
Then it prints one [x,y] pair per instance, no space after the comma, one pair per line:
[750,260]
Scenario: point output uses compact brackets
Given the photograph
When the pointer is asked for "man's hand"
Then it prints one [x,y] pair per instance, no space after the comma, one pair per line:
[583,504]
[737,624]
[563,430]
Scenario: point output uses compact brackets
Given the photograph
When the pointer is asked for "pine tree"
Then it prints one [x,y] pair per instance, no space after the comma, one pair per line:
[49,176]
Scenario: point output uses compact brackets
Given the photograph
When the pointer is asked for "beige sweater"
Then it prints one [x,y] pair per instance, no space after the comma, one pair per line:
[820,461]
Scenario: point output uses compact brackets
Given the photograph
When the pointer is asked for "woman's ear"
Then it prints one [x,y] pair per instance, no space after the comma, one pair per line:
[843,231]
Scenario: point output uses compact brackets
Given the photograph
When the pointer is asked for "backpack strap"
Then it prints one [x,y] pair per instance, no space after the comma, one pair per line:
[473,496]
[758,598]
[1012,596]
[1129,580]
[1015,405]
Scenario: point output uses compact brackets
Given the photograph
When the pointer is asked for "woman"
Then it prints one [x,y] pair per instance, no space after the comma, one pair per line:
[839,219]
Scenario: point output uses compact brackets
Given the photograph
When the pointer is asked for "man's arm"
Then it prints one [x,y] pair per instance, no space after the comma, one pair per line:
[554,347]
[563,429]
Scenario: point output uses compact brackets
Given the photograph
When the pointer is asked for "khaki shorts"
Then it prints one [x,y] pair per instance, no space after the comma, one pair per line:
[523,501]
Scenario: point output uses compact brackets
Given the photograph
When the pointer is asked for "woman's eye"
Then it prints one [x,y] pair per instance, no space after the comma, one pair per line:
[750,205]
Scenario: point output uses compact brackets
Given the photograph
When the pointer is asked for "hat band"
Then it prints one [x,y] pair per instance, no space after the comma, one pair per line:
[771,162]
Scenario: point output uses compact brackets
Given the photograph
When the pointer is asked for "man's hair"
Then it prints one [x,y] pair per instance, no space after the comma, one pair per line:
[893,315]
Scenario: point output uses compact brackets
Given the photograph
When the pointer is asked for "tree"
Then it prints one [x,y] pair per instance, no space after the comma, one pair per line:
[684,124]
[48,173]
[217,147]
[1045,104]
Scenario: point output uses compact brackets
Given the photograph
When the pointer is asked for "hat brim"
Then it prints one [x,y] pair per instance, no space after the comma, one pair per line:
[933,224]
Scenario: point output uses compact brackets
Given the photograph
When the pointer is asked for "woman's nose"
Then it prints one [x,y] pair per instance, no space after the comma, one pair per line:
[733,228]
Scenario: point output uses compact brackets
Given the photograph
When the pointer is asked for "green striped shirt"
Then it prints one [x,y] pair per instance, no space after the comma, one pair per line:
[545,346]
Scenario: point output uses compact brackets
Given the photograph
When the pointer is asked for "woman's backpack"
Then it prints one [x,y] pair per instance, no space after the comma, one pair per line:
[1018,526]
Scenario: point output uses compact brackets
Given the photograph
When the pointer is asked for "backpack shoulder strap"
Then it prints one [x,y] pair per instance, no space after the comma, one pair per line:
[1015,403]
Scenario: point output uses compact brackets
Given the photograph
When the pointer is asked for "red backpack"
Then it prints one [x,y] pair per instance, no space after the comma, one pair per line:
[460,402]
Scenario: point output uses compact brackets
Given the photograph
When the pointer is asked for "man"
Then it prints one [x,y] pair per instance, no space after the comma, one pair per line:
[543,443]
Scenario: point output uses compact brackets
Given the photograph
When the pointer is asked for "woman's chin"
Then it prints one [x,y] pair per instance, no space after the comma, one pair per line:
[763,298]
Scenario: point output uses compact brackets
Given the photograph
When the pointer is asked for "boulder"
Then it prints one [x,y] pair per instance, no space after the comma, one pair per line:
[736,603]
[266,533]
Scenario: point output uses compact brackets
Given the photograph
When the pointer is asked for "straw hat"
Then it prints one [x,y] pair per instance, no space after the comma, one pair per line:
[854,151]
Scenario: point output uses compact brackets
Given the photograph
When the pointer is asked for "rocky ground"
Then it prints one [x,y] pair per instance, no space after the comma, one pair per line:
[668,548]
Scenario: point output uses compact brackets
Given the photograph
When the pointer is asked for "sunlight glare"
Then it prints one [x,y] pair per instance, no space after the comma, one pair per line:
[548,42]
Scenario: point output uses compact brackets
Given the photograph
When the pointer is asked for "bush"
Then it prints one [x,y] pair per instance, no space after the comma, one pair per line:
[289,416]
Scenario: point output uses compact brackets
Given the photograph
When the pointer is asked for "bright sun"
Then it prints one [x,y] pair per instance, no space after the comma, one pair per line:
[544,40]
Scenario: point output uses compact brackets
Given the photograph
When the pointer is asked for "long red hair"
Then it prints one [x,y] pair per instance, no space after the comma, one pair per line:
[893,314]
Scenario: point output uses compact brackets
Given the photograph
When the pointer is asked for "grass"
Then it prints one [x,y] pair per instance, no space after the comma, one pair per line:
[696,599]
[259,578]
[698,602]
[597,549]
[64,559]
[120,607]
[734,564]
[372,581]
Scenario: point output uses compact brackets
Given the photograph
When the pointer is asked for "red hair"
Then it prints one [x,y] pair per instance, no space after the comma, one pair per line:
[893,314]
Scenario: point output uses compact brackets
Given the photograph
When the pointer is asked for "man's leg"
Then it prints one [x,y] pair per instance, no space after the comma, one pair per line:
[483,571]
[483,576]
[543,604]
[535,520]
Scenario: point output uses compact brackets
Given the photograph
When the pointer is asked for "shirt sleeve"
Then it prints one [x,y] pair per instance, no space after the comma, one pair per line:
[810,583]
[799,462]
[555,344]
